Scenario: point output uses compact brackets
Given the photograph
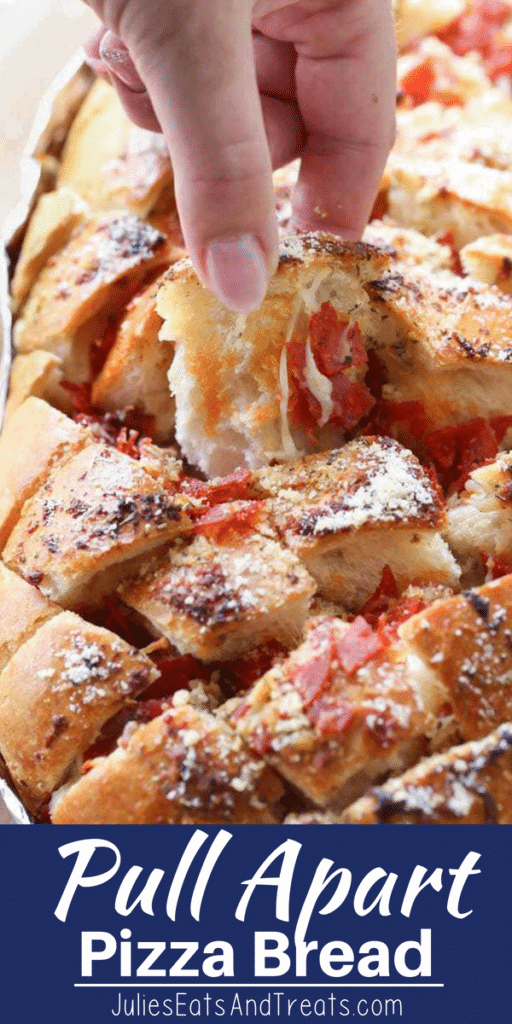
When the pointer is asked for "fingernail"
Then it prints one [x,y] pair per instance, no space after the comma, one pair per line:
[237,272]
[115,55]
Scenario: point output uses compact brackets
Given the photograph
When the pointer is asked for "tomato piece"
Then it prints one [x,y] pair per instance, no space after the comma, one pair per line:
[176,673]
[359,645]
[117,619]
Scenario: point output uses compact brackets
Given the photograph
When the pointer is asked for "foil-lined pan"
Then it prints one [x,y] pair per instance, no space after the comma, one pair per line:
[38,169]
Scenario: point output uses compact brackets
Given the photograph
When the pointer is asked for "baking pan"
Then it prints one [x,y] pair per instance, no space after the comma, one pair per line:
[53,119]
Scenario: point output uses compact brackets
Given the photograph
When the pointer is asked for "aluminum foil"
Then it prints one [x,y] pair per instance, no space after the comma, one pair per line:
[52,122]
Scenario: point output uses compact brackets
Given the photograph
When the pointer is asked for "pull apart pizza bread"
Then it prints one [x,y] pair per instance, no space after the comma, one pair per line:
[261,566]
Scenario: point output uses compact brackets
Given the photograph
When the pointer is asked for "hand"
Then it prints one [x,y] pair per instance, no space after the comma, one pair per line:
[238,87]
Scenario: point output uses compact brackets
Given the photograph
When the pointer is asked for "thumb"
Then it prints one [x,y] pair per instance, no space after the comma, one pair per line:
[196,62]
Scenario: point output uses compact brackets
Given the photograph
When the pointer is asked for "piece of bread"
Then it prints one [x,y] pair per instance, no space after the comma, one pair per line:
[351,512]
[285,180]
[86,284]
[136,368]
[111,162]
[468,785]
[338,713]
[463,645]
[476,133]
[239,380]
[94,513]
[490,260]
[24,610]
[35,438]
[66,681]
[479,520]
[218,597]
[410,248]
[415,18]
[56,216]
[432,71]
[468,200]
[185,767]
[445,341]
[311,818]
[38,375]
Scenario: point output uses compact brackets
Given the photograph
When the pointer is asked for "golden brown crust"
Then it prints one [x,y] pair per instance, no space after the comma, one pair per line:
[24,610]
[217,598]
[36,374]
[371,482]
[330,730]
[98,510]
[24,462]
[415,18]
[135,372]
[490,260]
[111,162]
[467,199]
[464,643]
[455,79]
[445,341]
[100,269]
[227,376]
[467,785]
[185,767]
[50,227]
[67,680]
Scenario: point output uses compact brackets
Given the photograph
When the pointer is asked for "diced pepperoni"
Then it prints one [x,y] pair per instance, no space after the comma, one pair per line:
[476,27]
[336,344]
[351,400]
[331,716]
[387,418]
[358,645]
[241,674]
[419,81]
[313,678]
[80,395]
[221,521]
[389,621]
[378,602]
[499,61]
[235,487]
[496,566]
[460,448]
